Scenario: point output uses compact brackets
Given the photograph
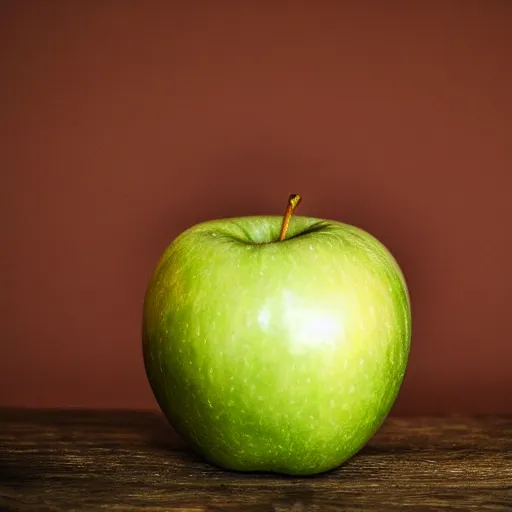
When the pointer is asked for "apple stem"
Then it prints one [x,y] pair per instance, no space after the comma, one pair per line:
[293,202]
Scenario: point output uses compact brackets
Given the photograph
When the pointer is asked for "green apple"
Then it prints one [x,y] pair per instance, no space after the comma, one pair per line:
[276,345]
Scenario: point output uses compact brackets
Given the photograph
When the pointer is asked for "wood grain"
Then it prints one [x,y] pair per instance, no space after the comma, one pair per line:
[77,460]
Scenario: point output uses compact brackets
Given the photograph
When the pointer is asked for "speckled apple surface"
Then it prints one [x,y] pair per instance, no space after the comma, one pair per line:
[281,356]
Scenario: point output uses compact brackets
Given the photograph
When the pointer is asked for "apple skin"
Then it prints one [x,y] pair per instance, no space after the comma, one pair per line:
[281,357]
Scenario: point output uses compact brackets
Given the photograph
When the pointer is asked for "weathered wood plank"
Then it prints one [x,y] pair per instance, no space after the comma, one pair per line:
[121,460]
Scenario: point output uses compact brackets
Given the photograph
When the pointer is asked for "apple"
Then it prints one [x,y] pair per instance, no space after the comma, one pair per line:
[276,345]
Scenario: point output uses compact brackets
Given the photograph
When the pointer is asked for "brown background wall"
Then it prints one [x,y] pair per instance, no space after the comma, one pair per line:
[123,123]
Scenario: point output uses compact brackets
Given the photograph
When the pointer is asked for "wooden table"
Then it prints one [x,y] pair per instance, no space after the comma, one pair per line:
[119,460]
